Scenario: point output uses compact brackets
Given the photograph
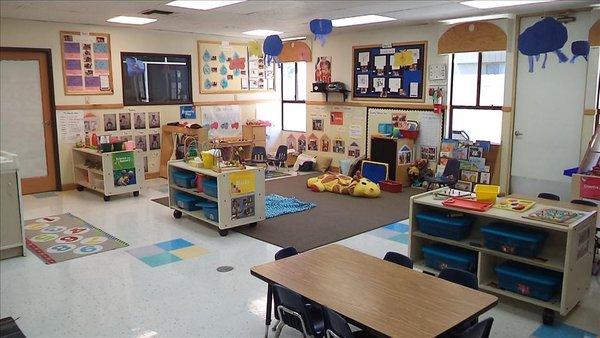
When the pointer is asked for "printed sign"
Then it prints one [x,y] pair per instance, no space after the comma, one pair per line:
[187,112]
[242,182]
[589,187]
[124,168]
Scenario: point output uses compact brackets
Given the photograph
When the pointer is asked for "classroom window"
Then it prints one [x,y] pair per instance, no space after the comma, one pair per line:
[156,79]
[477,94]
[293,96]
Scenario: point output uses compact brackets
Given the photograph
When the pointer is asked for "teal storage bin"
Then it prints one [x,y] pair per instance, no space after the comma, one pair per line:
[184,179]
[439,256]
[528,280]
[210,209]
[186,201]
[513,239]
[209,185]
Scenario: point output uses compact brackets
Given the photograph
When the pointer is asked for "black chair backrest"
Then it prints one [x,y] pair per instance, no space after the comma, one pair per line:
[548,196]
[259,153]
[479,330]
[285,252]
[462,277]
[293,302]
[336,323]
[584,202]
[399,259]
[281,154]
[452,169]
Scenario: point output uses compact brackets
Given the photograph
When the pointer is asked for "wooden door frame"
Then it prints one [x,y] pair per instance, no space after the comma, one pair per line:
[48,53]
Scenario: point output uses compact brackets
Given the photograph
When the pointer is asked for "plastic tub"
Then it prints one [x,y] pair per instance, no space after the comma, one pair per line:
[439,256]
[513,239]
[117,146]
[486,192]
[390,186]
[527,280]
[184,179]
[210,186]
[106,147]
[211,210]
[442,225]
[186,201]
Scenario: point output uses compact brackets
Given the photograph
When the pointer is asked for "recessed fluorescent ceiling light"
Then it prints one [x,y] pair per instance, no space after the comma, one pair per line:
[202,5]
[360,20]
[294,38]
[261,32]
[484,4]
[476,18]
[131,20]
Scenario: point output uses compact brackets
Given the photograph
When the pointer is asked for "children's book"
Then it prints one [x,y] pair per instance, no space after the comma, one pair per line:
[447,148]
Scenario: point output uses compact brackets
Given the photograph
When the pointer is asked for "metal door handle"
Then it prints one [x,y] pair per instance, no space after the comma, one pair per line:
[518,133]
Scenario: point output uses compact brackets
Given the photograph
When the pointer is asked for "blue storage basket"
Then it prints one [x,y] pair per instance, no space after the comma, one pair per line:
[528,280]
[184,179]
[439,256]
[186,201]
[211,211]
[513,239]
[209,185]
[441,225]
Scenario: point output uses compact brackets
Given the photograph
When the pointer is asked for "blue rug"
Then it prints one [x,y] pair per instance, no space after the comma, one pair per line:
[276,205]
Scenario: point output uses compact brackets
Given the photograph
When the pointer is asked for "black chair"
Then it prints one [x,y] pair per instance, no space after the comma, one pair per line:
[285,253]
[479,330]
[584,202]
[449,177]
[335,325]
[280,157]
[281,254]
[548,196]
[399,259]
[462,277]
[294,313]
[259,156]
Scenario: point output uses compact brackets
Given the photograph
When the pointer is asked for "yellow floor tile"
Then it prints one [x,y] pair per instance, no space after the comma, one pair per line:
[189,252]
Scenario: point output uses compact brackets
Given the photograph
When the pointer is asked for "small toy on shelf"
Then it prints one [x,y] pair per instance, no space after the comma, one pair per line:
[417,172]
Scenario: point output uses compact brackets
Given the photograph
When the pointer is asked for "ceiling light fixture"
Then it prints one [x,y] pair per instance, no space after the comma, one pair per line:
[486,4]
[295,38]
[360,20]
[261,32]
[202,5]
[131,20]
[476,18]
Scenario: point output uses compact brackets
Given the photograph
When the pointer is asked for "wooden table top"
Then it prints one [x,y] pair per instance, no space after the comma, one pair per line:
[383,296]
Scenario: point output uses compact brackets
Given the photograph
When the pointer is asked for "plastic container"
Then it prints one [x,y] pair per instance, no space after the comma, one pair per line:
[486,192]
[129,145]
[199,185]
[106,147]
[184,179]
[208,159]
[385,128]
[528,280]
[186,201]
[411,134]
[439,256]
[211,210]
[442,225]
[390,186]
[513,239]
[210,187]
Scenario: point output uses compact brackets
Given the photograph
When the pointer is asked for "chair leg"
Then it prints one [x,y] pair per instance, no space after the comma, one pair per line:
[278,332]
[266,331]
[276,325]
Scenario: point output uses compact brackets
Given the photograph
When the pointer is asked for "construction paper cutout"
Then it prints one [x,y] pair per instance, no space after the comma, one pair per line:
[206,69]
[403,59]
[236,72]
[321,28]
[580,48]
[291,142]
[324,143]
[302,143]
[223,70]
[237,63]
[294,51]
[224,83]
[207,84]
[222,58]
[272,48]
[255,49]
[354,150]
[546,35]
[206,56]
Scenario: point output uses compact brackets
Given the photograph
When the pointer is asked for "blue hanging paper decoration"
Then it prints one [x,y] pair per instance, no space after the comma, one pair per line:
[272,47]
[580,48]
[546,35]
[321,28]
[206,69]
[224,83]
[222,58]
[135,66]
[206,56]
[207,84]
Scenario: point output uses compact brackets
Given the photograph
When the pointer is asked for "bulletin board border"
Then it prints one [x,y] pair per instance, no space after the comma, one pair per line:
[64,66]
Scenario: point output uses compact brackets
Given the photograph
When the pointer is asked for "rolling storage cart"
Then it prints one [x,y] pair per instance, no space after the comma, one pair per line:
[556,278]
[226,200]
[110,173]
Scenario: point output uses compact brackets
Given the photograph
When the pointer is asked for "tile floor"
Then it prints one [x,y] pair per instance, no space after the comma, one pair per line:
[115,294]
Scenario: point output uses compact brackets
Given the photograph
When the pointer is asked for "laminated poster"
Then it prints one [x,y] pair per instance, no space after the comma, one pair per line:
[86,63]
[124,168]
[71,126]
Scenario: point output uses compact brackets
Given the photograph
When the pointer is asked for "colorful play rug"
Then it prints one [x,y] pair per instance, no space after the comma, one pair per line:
[167,252]
[62,237]
[277,205]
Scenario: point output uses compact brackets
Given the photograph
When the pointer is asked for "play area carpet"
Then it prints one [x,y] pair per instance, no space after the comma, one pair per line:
[276,205]
[62,237]
[335,217]
[162,200]
[275,174]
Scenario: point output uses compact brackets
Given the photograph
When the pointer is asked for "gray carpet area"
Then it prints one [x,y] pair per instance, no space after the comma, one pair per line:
[336,217]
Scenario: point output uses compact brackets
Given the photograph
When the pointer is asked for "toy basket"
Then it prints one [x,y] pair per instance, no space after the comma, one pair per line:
[486,193]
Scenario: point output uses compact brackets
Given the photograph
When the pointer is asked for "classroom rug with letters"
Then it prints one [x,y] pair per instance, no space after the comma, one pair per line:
[62,237]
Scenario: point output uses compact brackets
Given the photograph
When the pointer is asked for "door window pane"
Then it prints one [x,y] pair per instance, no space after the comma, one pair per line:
[479,124]
[492,78]
[294,116]
[464,89]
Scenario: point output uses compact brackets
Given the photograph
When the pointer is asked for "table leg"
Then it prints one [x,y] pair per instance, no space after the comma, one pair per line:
[269,302]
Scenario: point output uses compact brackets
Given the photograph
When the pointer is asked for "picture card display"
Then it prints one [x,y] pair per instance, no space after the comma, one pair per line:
[86,63]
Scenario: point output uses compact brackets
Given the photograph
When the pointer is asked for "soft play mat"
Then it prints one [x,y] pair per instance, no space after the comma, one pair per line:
[276,205]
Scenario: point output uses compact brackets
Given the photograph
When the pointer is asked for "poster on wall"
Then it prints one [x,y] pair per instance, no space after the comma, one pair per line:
[317,124]
[336,118]
[339,146]
[291,142]
[187,112]
[86,63]
[124,121]
[123,168]
[222,121]
[313,142]
[242,207]
[154,119]
[71,127]
[325,143]
[110,122]
[222,66]
[323,69]
[154,141]
[139,120]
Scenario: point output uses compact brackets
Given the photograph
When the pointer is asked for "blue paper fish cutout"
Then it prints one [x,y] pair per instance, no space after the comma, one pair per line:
[546,35]
[580,48]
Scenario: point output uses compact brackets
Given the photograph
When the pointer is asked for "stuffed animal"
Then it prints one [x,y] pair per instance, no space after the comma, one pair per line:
[417,171]
[345,185]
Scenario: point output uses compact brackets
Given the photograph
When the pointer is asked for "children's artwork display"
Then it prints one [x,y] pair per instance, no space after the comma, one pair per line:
[124,121]
[139,120]
[223,121]
[154,119]
[110,122]
[395,72]
[154,141]
[323,69]
[86,63]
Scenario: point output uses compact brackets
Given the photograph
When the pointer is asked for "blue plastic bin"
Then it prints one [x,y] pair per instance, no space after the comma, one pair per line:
[211,210]
[186,201]
[439,256]
[209,185]
[528,280]
[441,225]
[184,179]
[513,239]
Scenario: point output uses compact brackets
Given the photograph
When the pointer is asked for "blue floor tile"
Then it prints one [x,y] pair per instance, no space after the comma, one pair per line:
[401,238]
[561,330]
[398,226]
[174,244]
[160,259]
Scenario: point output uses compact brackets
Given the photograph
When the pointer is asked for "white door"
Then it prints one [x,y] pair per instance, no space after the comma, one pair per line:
[548,117]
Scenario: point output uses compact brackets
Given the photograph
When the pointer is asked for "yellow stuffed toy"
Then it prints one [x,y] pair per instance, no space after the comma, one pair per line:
[345,185]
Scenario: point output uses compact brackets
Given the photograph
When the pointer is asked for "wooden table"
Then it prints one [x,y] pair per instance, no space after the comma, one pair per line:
[383,296]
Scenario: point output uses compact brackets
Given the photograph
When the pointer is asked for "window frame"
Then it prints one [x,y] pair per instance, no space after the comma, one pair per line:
[283,101]
[477,105]
[188,62]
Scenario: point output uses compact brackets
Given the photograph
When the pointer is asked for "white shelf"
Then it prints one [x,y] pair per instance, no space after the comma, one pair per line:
[193,191]
[91,170]
[198,214]
[89,186]
[488,285]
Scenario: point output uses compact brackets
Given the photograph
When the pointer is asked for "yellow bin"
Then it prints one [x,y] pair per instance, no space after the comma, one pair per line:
[208,159]
[486,192]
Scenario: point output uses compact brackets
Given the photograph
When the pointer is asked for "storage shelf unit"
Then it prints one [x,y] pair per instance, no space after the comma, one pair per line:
[563,246]
[224,197]
[103,180]
[12,238]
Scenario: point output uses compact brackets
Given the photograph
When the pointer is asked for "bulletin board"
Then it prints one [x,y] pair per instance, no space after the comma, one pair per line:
[87,67]
[228,68]
[397,72]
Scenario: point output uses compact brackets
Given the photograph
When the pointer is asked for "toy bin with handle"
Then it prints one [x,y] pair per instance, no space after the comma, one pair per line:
[184,179]
[528,280]
[439,256]
[514,240]
[186,201]
[209,185]
[210,209]
[443,224]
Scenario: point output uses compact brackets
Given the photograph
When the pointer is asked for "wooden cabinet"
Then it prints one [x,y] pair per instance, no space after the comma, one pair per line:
[397,153]
[256,134]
